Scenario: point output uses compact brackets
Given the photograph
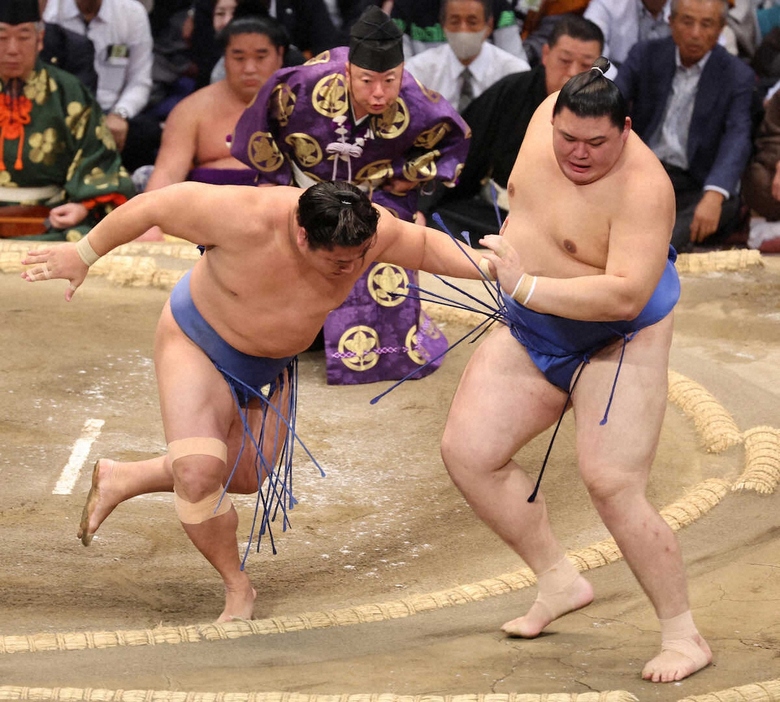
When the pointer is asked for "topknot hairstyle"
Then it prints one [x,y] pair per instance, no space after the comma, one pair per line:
[336,213]
[592,94]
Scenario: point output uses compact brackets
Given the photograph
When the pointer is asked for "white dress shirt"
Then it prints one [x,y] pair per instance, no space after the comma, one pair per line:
[670,141]
[123,50]
[440,70]
[624,23]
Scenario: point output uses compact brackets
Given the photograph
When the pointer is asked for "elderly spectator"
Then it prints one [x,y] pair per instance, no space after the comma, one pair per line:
[55,148]
[690,101]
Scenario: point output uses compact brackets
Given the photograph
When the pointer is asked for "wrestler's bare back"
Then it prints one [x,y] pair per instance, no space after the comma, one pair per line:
[258,288]
[588,222]
[258,284]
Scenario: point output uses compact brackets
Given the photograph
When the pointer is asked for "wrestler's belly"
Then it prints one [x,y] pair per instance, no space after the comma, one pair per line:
[260,311]
[271,334]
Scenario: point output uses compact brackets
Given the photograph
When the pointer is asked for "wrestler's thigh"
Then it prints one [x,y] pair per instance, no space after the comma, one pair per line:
[194,398]
[620,452]
[501,403]
[269,421]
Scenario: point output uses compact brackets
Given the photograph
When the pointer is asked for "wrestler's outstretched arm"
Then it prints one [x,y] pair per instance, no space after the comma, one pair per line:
[197,212]
[422,248]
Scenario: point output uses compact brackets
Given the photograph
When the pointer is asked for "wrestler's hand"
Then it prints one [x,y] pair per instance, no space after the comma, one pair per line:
[503,261]
[61,261]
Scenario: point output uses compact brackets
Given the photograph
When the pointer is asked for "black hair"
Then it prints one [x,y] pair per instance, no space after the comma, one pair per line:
[576,27]
[592,94]
[254,24]
[336,213]
[487,5]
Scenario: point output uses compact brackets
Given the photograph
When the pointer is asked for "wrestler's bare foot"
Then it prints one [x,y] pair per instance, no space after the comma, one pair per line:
[239,603]
[548,608]
[100,500]
[678,659]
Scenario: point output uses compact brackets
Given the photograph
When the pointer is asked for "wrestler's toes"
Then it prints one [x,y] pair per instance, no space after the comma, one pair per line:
[677,661]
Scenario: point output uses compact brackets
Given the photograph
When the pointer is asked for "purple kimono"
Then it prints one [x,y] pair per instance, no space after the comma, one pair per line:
[300,130]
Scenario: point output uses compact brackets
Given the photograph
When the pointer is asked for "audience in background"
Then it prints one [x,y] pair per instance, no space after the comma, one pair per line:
[467,64]
[476,55]
[122,35]
[691,102]
[625,22]
[499,119]
[69,51]
[194,145]
[55,148]
[761,182]
[421,26]
[538,18]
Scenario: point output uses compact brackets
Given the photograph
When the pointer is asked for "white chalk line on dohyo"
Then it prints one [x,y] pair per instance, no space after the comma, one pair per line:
[716,427]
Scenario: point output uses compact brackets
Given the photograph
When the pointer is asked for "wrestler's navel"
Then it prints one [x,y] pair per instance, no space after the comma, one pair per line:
[511,189]
[570,246]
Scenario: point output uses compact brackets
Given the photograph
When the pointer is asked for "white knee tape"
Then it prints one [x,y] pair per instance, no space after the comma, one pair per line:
[203,510]
[198,446]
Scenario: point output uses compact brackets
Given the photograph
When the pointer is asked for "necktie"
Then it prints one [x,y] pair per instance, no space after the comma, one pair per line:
[466,90]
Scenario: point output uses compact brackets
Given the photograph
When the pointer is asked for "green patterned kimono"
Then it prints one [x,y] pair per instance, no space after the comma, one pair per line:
[53,133]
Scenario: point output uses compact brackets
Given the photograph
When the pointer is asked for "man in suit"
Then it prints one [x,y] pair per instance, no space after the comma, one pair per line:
[690,101]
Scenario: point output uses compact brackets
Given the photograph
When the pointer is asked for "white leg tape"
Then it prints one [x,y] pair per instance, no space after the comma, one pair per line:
[198,446]
[203,510]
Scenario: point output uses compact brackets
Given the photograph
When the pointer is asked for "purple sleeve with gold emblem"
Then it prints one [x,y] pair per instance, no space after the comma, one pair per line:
[436,143]
[254,141]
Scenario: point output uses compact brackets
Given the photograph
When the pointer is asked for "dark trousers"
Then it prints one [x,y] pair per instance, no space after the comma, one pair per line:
[688,192]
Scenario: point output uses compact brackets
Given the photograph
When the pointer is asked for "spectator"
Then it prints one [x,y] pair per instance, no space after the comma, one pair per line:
[499,118]
[194,145]
[69,51]
[690,101]
[55,149]
[248,8]
[466,64]
[173,68]
[308,24]
[356,115]
[122,36]
[421,26]
[625,22]
[761,182]
[344,13]
[538,18]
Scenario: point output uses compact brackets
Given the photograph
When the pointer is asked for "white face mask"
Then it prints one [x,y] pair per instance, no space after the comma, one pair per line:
[466,45]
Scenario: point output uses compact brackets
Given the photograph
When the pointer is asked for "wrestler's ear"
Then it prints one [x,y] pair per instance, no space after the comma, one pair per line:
[626,129]
[301,239]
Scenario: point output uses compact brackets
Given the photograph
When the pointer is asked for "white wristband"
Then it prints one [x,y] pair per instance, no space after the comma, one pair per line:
[525,302]
[525,288]
[86,252]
